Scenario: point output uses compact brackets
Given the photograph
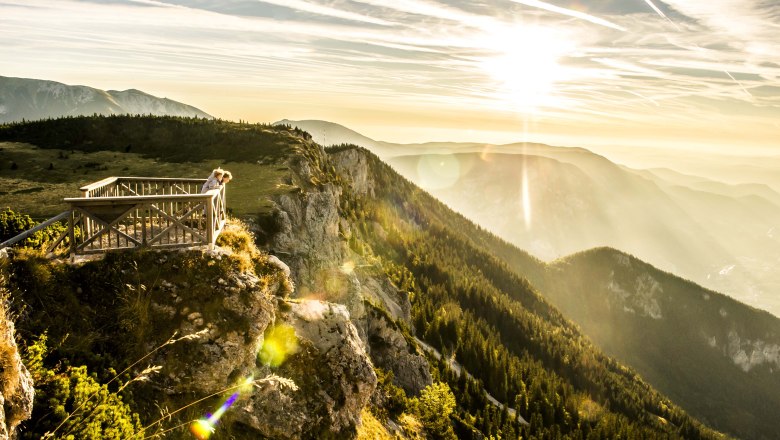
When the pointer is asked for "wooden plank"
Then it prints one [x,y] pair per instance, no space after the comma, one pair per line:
[142,198]
[99,183]
[107,228]
[177,221]
[130,190]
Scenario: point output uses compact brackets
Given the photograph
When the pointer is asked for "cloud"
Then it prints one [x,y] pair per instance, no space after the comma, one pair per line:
[653,62]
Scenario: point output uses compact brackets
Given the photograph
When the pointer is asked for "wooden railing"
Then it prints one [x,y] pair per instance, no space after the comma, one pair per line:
[141,186]
[131,212]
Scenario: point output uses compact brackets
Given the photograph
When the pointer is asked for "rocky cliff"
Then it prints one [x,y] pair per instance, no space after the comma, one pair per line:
[16,385]
[214,322]
[241,325]
[313,239]
[333,373]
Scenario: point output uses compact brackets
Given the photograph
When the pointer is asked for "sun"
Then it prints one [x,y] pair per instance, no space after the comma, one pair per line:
[524,65]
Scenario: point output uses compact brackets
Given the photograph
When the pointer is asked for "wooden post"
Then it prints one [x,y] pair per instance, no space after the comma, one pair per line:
[143,225]
[210,223]
[72,233]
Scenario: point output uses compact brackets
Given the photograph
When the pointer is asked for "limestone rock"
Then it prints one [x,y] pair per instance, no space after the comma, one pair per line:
[381,291]
[353,164]
[390,351]
[231,333]
[16,385]
[334,375]
[308,237]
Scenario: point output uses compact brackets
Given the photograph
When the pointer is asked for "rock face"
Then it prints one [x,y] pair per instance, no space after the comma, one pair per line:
[334,375]
[238,326]
[231,337]
[390,351]
[16,385]
[308,238]
[353,165]
[313,235]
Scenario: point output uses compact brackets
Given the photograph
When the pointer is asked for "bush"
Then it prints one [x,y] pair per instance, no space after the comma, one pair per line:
[13,223]
[433,409]
[72,404]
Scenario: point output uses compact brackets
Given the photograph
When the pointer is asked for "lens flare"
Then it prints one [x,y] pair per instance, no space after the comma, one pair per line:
[526,200]
[280,342]
[438,171]
[203,428]
[348,267]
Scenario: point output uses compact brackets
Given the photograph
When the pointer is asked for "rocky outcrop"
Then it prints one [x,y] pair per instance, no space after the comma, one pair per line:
[308,230]
[353,164]
[334,376]
[238,339]
[16,385]
[312,239]
[391,351]
[231,334]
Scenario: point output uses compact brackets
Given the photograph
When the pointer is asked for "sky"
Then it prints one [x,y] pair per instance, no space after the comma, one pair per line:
[699,75]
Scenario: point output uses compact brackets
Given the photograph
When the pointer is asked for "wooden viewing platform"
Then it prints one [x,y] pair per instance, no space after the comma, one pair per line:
[132,212]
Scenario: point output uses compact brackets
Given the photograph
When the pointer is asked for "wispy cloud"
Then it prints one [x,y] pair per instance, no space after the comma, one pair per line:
[604,65]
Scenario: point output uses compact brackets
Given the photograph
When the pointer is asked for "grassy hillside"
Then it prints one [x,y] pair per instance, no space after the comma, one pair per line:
[45,161]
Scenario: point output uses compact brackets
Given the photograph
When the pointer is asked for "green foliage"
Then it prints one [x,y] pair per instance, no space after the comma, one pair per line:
[168,138]
[433,408]
[14,223]
[470,305]
[371,428]
[393,401]
[72,404]
[236,237]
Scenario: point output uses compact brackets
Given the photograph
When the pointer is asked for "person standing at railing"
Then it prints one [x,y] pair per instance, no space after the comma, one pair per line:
[214,181]
[226,177]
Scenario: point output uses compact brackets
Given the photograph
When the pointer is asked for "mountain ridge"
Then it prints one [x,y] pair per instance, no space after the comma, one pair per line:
[31,99]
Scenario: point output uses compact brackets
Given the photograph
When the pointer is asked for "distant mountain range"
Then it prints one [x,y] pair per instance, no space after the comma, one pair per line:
[31,99]
[555,201]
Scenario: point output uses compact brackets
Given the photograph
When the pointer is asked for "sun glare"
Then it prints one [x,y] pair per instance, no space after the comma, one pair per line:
[525,65]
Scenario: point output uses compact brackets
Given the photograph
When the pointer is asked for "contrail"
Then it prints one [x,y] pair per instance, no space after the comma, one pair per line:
[570,13]
[661,13]
[644,97]
[740,84]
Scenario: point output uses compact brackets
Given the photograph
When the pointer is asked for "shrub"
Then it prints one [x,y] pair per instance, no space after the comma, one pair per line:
[237,237]
[72,404]
[433,409]
[13,223]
